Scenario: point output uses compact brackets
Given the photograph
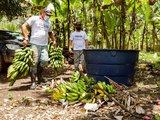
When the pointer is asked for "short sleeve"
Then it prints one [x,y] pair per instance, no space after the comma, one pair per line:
[31,20]
[50,28]
[71,36]
[85,36]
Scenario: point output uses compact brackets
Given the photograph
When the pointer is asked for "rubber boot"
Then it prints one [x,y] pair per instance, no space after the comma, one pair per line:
[84,67]
[39,75]
[33,80]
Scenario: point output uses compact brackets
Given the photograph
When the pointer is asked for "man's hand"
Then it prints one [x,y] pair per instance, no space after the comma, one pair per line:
[70,50]
[55,43]
[25,43]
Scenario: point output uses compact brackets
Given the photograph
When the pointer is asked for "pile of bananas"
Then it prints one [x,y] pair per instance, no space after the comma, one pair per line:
[70,91]
[20,65]
[75,77]
[59,92]
[55,57]
[82,87]
[99,89]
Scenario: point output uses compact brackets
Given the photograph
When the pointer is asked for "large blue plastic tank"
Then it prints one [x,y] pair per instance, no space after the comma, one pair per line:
[118,65]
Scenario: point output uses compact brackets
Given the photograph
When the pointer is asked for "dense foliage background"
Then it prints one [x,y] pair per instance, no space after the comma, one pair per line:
[119,24]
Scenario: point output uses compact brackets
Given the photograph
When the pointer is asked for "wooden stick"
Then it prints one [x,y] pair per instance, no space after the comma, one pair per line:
[122,106]
[113,99]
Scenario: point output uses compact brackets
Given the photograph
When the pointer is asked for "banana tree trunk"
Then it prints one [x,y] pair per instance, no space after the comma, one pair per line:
[69,20]
[95,25]
[143,35]
[104,30]
[123,19]
[85,16]
[57,26]
[155,38]
[132,26]
[64,35]
[154,34]
[115,39]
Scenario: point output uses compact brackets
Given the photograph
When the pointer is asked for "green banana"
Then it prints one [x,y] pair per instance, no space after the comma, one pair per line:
[110,89]
[21,63]
[72,96]
[99,83]
[55,57]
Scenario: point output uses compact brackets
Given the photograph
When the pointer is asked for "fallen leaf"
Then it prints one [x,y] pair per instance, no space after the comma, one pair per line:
[118,117]
[140,110]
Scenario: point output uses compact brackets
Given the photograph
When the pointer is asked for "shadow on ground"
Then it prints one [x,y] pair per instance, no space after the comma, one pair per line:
[20,88]
[3,78]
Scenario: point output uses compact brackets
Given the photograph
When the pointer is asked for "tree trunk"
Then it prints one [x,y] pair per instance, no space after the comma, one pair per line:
[57,35]
[64,35]
[69,20]
[123,18]
[154,35]
[144,31]
[95,25]
[103,25]
[132,25]
[115,39]
[155,38]
[85,16]
[147,46]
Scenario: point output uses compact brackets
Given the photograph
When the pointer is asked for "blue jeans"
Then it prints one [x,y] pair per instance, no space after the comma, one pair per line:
[40,58]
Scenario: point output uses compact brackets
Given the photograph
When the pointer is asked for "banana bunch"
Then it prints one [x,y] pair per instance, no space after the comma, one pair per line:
[99,89]
[77,91]
[82,88]
[20,65]
[55,57]
[89,80]
[59,92]
[110,89]
[72,87]
[70,91]
[75,77]
[66,91]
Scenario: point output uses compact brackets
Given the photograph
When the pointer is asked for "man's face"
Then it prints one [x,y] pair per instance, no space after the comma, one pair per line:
[45,16]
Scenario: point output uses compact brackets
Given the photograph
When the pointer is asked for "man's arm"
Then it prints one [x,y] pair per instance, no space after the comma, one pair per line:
[70,45]
[51,35]
[24,32]
[86,43]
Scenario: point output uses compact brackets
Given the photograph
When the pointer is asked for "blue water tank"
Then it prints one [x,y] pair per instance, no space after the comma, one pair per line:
[118,65]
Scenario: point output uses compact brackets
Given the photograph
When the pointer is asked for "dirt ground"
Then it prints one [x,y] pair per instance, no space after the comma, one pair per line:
[18,102]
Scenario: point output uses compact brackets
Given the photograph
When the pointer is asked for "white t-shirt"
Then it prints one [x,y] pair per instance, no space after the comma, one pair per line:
[39,30]
[78,39]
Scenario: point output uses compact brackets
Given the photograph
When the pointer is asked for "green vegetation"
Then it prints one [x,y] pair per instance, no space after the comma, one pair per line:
[150,58]
[126,24]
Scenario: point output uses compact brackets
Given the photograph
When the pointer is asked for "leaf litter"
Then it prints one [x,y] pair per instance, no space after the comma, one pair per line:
[135,102]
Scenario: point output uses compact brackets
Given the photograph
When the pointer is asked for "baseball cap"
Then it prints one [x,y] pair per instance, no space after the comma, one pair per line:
[48,12]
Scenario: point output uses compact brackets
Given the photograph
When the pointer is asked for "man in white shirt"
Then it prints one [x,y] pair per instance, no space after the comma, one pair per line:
[41,27]
[79,41]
